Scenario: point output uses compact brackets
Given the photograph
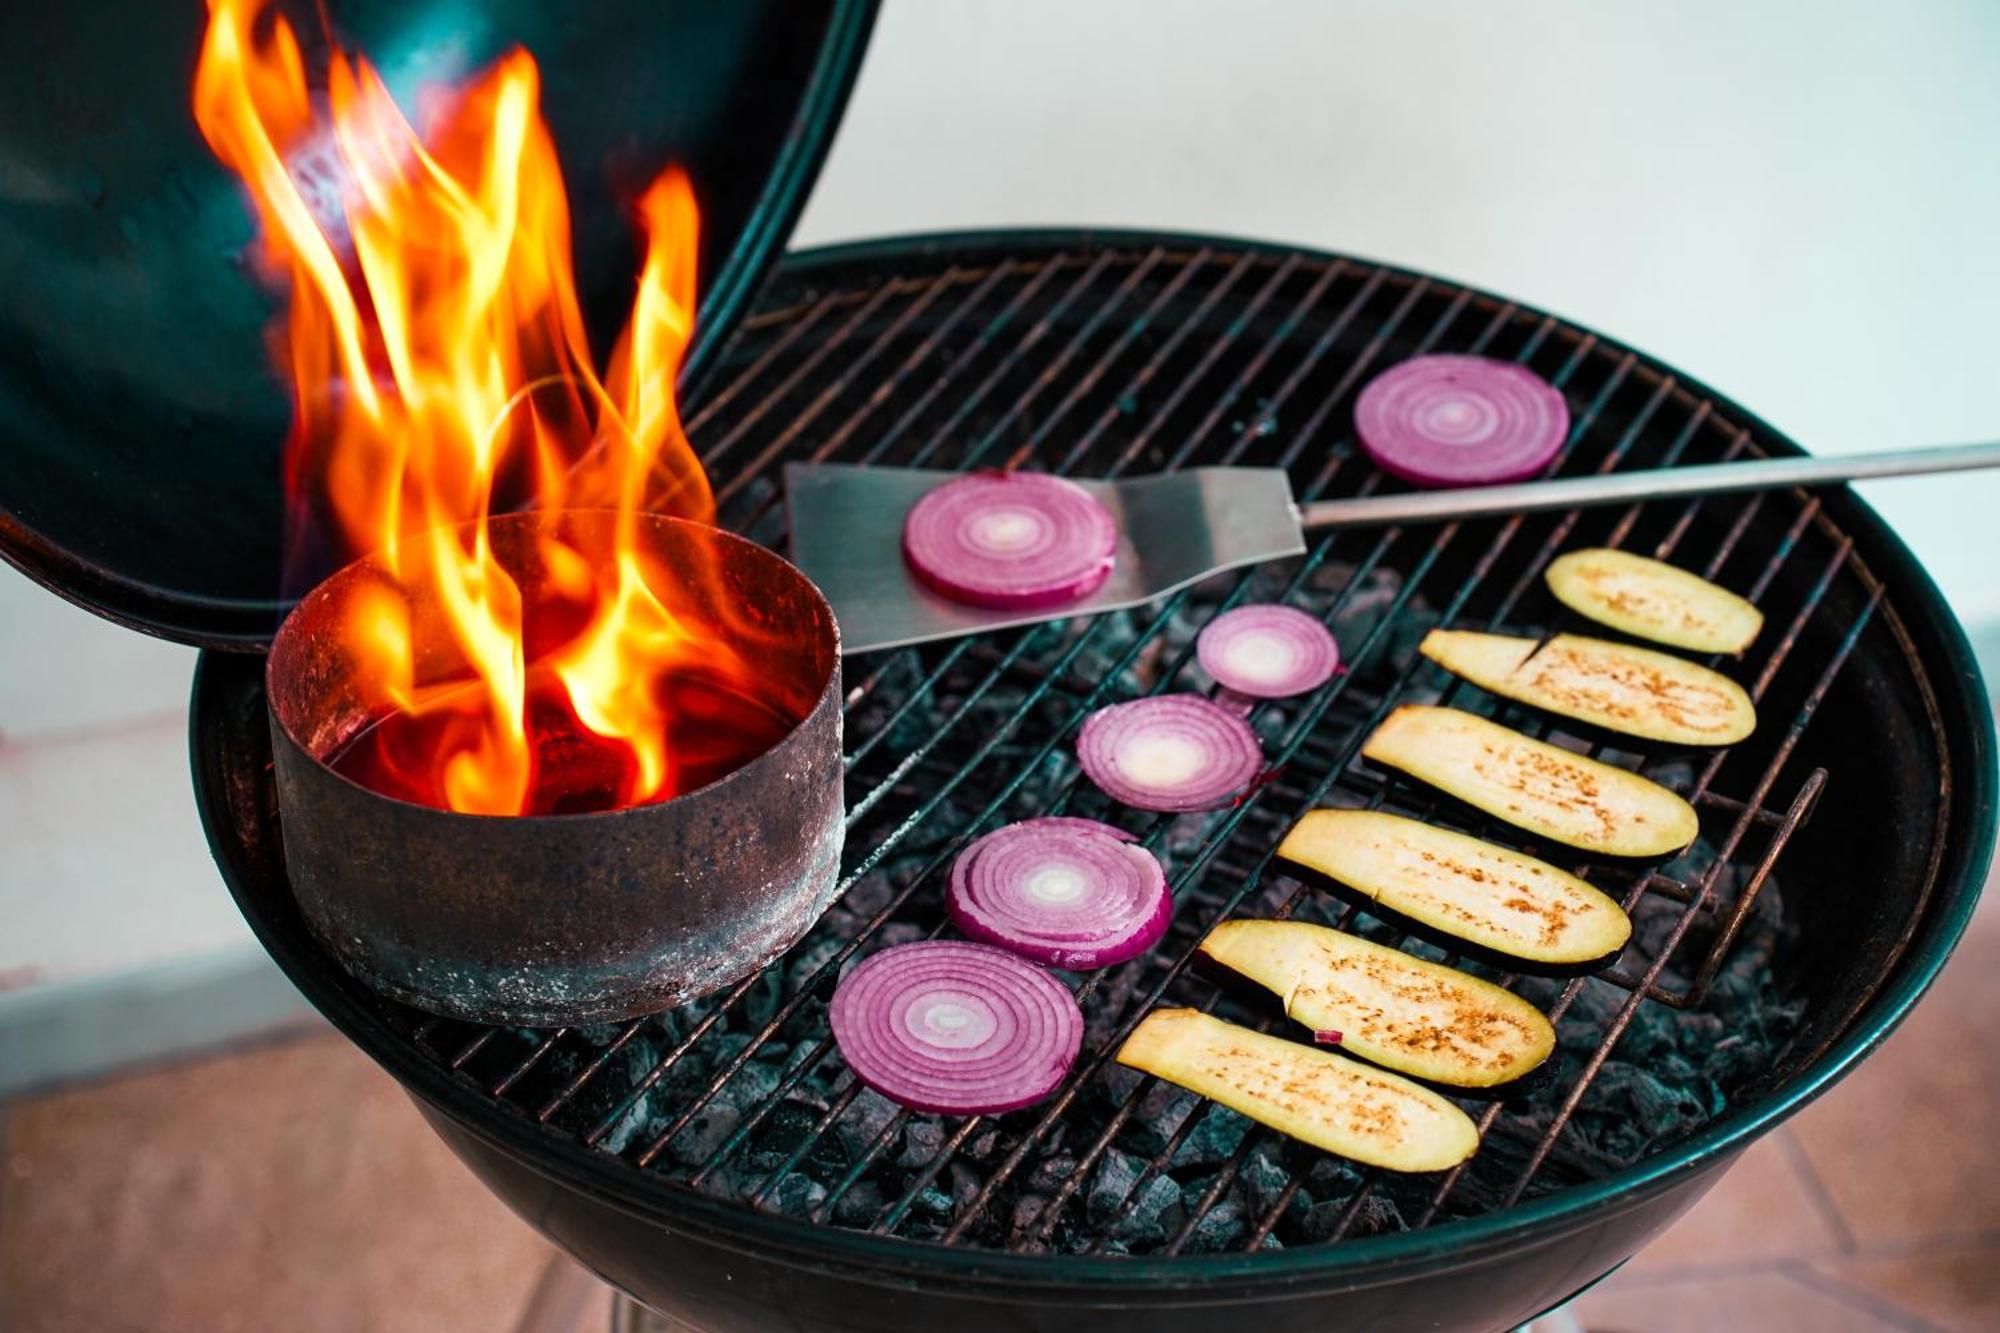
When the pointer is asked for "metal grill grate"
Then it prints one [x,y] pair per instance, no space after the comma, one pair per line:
[1100,361]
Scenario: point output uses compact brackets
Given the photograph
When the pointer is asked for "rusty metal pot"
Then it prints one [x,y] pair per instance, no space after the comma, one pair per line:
[567,918]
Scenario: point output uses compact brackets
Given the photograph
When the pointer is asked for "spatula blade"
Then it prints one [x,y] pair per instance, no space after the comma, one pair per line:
[1174,529]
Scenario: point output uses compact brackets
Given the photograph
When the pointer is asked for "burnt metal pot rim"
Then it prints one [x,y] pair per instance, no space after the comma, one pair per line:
[577,817]
[1351,1264]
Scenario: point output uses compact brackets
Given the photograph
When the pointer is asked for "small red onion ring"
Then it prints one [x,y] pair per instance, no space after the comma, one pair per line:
[1172,752]
[953,1028]
[1461,421]
[1014,540]
[1267,651]
[1069,893]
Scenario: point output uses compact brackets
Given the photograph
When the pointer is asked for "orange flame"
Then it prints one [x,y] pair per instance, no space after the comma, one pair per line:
[440,368]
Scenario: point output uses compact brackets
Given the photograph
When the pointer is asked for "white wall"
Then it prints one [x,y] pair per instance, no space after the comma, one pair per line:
[1795,200]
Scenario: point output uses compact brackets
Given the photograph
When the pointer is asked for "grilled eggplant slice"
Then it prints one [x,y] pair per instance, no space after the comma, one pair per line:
[1418,1018]
[1615,686]
[1533,785]
[1315,1096]
[1493,903]
[1652,600]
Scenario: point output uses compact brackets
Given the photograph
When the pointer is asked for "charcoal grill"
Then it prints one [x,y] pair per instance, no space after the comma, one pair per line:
[718,1163]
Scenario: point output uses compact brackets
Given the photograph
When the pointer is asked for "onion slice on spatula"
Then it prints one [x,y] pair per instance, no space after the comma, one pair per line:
[1171,752]
[1461,421]
[1069,893]
[1267,651]
[1015,540]
[955,1028]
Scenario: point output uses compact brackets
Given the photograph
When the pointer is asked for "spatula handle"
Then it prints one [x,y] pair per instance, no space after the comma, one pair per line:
[1762,474]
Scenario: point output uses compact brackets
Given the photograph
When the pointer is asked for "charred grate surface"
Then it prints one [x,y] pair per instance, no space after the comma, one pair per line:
[1108,359]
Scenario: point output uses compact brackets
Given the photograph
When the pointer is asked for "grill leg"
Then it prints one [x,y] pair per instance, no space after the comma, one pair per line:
[566,1299]
[628,1316]
[1558,1320]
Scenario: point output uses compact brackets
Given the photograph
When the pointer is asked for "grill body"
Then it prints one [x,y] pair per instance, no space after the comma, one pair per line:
[712,1281]
[1843,844]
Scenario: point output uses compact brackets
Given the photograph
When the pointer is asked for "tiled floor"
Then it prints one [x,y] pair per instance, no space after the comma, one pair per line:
[292,1187]
[283,1187]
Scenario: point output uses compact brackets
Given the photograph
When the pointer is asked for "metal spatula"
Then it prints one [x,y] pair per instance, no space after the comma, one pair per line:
[1181,527]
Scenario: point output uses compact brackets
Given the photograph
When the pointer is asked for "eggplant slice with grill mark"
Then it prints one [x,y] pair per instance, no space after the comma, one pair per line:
[1650,599]
[1328,1101]
[1612,686]
[1492,903]
[1415,1017]
[1543,788]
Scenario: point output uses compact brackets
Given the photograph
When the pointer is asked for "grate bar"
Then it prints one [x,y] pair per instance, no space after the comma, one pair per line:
[929,1171]
[1167,294]
[995,325]
[1644,986]
[1387,538]
[948,432]
[1055,353]
[974,298]
[870,350]
[1165,411]
[1557,1010]
[1428,340]
[1254,367]
[1629,519]
[1554,539]
[769,357]
[1329,693]
[1090,1065]
[749,1050]
[807,364]
[993,806]
[1144,376]
[1795,815]
[831,1115]
[1705,886]
[1088,380]
[1225,1176]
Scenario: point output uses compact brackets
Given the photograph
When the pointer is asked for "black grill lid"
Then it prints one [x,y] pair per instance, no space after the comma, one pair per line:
[141,423]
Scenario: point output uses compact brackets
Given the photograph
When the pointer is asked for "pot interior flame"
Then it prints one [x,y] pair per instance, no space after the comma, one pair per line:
[441,375]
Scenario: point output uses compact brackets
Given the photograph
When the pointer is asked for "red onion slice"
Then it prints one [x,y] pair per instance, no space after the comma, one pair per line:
[1268,652]
[1052,822]
[1010,539]
[955,1028]
[1461,421]
[1069,893]
[1172,752]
